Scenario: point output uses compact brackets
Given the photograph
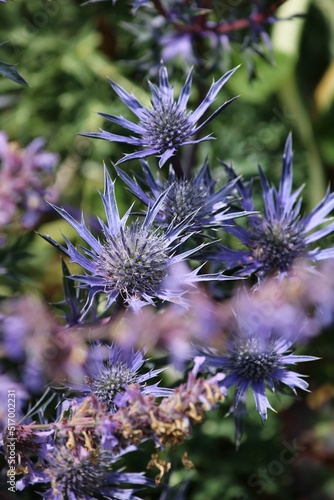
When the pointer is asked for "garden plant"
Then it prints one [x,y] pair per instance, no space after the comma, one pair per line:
[166,249]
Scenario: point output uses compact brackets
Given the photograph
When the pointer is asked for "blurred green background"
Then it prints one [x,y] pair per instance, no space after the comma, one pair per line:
[65,52]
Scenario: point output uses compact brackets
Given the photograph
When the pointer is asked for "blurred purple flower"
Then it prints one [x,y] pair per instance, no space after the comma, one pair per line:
[167,125]
[176,44]
[42,348]
[18,392]
[180,44]
[279,237]
[279,306]
[24,179]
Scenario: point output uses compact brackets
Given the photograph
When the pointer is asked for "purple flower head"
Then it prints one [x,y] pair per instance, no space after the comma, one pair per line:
[135,263]
[186,196]
[167,125]
[257,360]
[79,475]
[107,378]
[177,44]
[280,236]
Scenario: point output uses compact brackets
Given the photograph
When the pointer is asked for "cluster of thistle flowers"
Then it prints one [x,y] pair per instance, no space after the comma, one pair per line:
[167,30]
[245,342]
[78,455]
[25,179]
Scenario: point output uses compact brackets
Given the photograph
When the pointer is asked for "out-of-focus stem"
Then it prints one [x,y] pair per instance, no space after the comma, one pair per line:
[176,164]
[291,99]
[221,28]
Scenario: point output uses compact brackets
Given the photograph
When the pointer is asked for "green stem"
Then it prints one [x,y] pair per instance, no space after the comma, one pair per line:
[291,99]
[176,164]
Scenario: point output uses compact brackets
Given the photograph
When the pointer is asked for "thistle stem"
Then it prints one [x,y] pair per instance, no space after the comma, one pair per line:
[176,164]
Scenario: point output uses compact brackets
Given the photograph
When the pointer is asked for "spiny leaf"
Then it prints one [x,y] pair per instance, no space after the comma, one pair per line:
[9,71]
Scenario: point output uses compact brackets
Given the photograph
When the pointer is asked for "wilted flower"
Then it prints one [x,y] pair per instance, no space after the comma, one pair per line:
[172,420]
[276,239]
[167,125]
[186,196]
[136,262]
[106,379]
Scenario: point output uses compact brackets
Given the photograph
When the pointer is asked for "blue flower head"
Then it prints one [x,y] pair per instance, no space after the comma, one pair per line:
[107,378]
[79,475]
[135,263]
[186,196]
[167,125]
[277,238]
[257,360]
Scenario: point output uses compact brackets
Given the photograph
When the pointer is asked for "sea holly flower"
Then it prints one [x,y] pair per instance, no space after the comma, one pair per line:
[106,379]
[134,263]
[280,236]
[257,360]
[185,196]
[167,125]
[78,474]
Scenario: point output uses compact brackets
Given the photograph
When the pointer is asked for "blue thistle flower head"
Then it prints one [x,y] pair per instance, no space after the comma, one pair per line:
[79,475]
[257,360]
[277,238]
[135,263]
[186,196]
[167,125]
[107,378]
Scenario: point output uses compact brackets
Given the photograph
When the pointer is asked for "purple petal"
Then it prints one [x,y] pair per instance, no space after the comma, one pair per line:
[261,400]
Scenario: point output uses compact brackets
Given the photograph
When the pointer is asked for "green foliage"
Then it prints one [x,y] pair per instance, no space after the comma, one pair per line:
[9,71]
[65,52]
